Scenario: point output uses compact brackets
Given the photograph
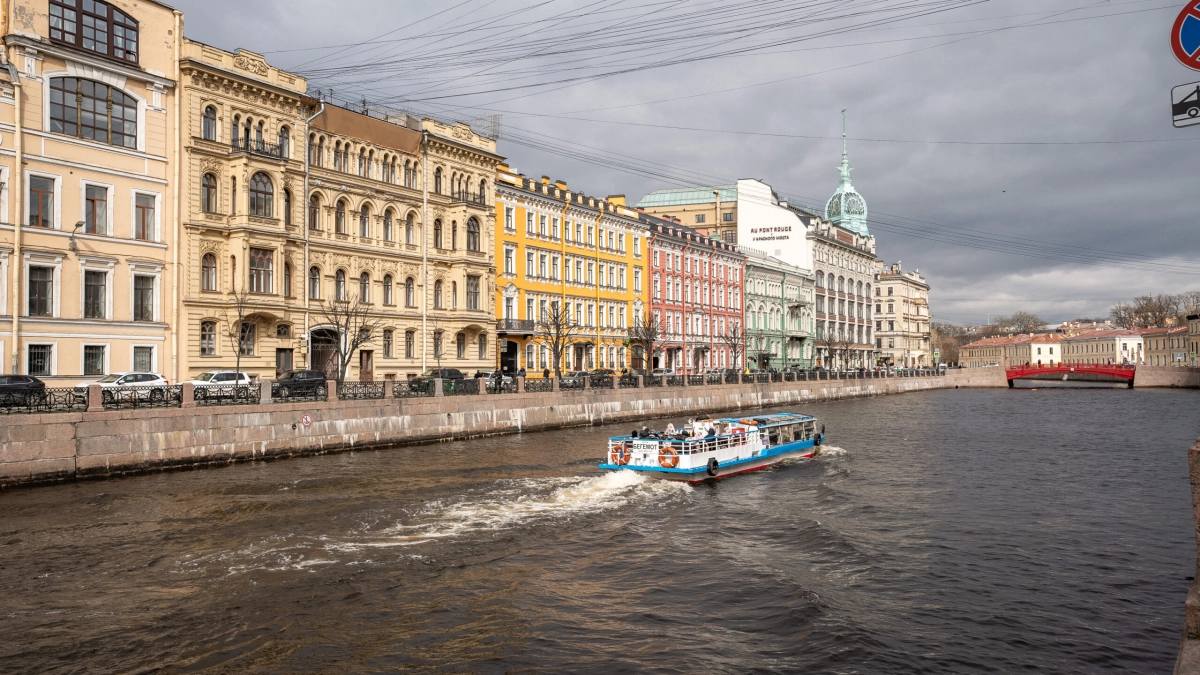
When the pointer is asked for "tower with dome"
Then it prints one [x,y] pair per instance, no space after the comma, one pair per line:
[846,208]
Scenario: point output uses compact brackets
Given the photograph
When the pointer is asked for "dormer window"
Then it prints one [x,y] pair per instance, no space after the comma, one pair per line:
[95,26]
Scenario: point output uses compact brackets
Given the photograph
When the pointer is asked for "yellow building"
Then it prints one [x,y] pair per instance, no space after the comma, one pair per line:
[559,246]
[88,122]
[295,205]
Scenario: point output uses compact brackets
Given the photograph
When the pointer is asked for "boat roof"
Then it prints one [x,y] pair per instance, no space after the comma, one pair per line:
[773,418]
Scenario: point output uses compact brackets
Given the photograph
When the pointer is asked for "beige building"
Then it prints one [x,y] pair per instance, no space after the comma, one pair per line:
[1166,346]
[1116,346]
[88,123]
[1194,339]
[902,333]
[985,352]
[1034,349]
[295,205]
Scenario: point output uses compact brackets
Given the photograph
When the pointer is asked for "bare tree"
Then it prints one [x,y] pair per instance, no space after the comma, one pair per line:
[352,322]
[1021,322]
[238,331]
[734,339]
[557,330]
[1148,311]
[843,345]
[646,334]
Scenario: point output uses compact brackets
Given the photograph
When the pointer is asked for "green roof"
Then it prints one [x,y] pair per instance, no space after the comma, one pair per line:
[692,195]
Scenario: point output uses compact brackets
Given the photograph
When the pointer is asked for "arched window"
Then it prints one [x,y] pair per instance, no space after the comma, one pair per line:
[362,162]
[408,229]
[314,283]
[314,212]
[820,280]
[364,221]
[453,295]
[106,29]
[364,287]
[337,156]
[208,272]
[287,207]
[209,129]
[387,289]
[285,138]
[258,136]
[412,177]
[387,170]
[410,344]
[437,234]
[483,343]
[437,180]
[320,152]
[287,280]
[235,130]
[841,285]
[437,294]
[393,170]
[339,286]
[208,338]
[387,225]
[454,235]
[262,195]
[410,293]
[208,193]
[460,345]
[339,217]
[482,191]
[472,235]
[93,111]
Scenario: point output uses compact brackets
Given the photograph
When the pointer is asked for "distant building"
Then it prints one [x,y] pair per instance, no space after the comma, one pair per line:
[1194,339]
[985,352]
[902,319]
[779,312]
[1034,349]
[1113,346]
[1166,346]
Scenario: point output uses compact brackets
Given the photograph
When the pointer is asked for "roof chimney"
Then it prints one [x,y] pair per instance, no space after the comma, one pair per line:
[561,185]
[545,180]
[619,200]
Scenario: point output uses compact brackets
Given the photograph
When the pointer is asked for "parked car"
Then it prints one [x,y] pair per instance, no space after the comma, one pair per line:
[661,371]
[490,376]
[21,390]
[573,377]
[603,372]
[221,384]
[293,382]
[145,386]
[420,382]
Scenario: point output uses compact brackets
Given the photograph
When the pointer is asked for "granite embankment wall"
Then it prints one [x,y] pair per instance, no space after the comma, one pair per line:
[49,447]
[1188,662]
[1166,376]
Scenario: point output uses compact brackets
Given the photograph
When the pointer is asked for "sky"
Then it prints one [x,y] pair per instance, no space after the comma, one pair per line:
[991,139]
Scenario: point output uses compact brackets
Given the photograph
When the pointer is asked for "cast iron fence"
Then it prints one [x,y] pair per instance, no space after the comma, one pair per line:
[675,380]
[601,382]
[413,389]
[569,383]
[297,393]
[544,384]
[155,396]
[56,399]
[628,382]
[231,394]
[360,391]
[505,386]
[460,387]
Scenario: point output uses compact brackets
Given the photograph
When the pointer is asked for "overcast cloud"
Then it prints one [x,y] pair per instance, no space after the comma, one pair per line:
[1083,79]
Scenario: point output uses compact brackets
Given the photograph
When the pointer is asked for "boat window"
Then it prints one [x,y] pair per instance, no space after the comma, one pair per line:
[774,434]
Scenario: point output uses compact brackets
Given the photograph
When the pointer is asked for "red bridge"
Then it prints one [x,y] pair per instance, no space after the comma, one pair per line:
[1072,371]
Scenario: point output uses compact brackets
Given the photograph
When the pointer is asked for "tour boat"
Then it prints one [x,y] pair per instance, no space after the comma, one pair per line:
[714,448]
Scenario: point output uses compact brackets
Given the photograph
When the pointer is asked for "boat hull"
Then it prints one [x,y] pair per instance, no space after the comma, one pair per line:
[799,450]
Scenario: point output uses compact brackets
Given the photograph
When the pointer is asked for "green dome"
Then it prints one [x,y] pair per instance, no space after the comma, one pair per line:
[846,208]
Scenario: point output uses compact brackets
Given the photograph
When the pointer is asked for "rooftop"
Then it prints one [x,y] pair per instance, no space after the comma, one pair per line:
[691,195]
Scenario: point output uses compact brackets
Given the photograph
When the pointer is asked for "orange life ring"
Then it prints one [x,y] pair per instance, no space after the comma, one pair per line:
[621,454]
[668,458]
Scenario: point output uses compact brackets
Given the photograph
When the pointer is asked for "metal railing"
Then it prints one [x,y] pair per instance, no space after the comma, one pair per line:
[228,394]
[515,325]
[695,380]
[569,384]
[460,387]
[601,382]
[628,382]
[653,381]
[544,384]
[360,391]
[675,380]
[413,389]
[257,147]
[158,396]
[297,393]
[57,399]
[505,386]
[714,378]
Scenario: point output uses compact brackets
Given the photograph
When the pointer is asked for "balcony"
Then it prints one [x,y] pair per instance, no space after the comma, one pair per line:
[523,326]
[467,197]
[260,148]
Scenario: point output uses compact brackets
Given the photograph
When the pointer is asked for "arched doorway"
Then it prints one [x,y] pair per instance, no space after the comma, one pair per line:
[323,351]
[510,357]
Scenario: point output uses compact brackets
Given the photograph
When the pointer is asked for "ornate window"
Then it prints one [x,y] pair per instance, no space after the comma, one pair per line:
[339,286]
[262,196]
[339,218]
[387,343]
[209,129]
[92,110]
[287,280]
[320,160]
[41,202]
[408,229]
[314,212]
[208,193]
[96,27]
[364,287]
[454,235]
[483,344]
[410,339]
[387,289]
[410,293]
[314,283]
[387,225]
[437,294]
[472,235]
[472,292]
[208,272]
[437,180]
[285,138]
[460,345]
[208,338]
[261,270]
[437,234]
[287,207]
[364,221]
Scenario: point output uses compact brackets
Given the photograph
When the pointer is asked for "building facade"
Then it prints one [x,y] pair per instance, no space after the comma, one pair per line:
[87,246]
[1166,346]
[778,312]
[1193,322]
[902,320]
[1116,346]
[583,255]
[697,294]
[298,210]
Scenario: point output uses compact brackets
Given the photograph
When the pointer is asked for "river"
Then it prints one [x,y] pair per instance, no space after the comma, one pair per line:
[960,531]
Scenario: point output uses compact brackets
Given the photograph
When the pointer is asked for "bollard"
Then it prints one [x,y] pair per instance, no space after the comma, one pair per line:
[641,379]
[187,395]
[264,392]
[437,387]
[95,398]
[520,384]
[662,380]
[587,382]
[554,384]
[482,386]
[389,388]
[331,390]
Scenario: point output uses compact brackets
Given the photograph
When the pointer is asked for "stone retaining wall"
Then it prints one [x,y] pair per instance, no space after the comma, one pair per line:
[48,447]
[1166,376]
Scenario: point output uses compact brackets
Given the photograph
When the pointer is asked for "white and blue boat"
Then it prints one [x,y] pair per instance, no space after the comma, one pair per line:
[714,448]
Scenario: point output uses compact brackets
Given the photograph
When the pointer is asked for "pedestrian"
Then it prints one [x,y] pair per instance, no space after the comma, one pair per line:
[546,373]
[521,373]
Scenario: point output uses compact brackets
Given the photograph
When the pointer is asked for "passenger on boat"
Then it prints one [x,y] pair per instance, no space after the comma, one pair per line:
[670,427]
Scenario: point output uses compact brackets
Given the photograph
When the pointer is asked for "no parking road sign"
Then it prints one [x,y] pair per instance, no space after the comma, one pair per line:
[1185,35]
[1185,105]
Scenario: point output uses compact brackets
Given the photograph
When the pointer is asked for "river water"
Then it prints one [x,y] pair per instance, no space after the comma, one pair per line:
[952,531]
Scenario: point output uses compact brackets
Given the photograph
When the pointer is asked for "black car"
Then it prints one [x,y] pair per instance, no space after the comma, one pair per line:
[299,382]
[21,390]
[420,382]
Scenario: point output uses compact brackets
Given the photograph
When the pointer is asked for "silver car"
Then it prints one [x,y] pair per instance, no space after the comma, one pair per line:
[141,386]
